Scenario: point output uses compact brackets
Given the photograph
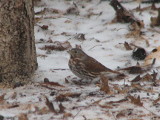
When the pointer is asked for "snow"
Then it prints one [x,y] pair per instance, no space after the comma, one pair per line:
[104,42]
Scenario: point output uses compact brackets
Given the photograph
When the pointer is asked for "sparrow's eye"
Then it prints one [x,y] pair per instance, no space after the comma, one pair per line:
[75,51]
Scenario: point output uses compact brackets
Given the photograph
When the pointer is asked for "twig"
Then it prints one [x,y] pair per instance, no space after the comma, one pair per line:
[77,114]
[50,88]
[94,47]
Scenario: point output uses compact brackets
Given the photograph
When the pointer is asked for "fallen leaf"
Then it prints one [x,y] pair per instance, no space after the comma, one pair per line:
[154,76]
[43,110]
[52,84]
[124,113]
[155,21]
[61,108]
[136,101]
[73,9]
[136,79]
[44,27]
[50,106]
[119,90]
[156,101]
[127,46]
[106,106]
[104,84]
[2,97]
[13,106]
[66,115]
[61,98]
[64,97]
[73,95]
[58,46]
[134,70]
[80,37]
[22,116]
[119,101]
[154,55]
[147,77]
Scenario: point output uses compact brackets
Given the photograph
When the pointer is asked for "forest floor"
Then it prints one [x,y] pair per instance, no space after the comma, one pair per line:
[56,93]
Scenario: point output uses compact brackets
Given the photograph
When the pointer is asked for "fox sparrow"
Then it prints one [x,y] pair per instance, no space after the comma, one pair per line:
[86,67]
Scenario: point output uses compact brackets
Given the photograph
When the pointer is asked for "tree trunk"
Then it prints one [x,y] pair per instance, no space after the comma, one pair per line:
[17,43]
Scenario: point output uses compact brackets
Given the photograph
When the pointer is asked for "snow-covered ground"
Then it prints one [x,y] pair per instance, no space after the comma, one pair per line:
[60,23]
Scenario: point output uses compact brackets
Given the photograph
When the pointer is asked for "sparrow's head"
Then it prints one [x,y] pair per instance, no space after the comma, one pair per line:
[76,53]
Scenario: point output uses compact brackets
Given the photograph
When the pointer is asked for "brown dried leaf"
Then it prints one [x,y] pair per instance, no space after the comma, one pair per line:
[136,32]
[52,84]
[49,40]
[57,46]
[80,36]
[43,110]
[123,15]
[13,106]
[154,55]
[136,85]
[136,79]
[136,101]
[22,116]
[56,11]
[61,108]
[37,19]
[93,13]
[155,21]
[73,9]
[127,46]
[49,10]
[66,80]
[120,91]
[119,101]
[124,113]
[139,87]
[2,98]
[139,9]
[106,106]
[156,101]
[66,115]
[104,84]
[73,95]
[64,97]
[120,114]
[147,77]
[150,77]
[66,34]
[134,70]
[50,105]
[61,98]
[44,27]
[154,76]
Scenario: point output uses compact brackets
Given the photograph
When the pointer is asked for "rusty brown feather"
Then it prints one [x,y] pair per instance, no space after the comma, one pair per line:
[86,67]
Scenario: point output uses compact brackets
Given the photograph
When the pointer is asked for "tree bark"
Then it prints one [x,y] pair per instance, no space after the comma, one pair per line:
[17,43]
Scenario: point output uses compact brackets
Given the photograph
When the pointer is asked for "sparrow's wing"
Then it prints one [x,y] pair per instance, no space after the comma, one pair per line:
[94,66]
